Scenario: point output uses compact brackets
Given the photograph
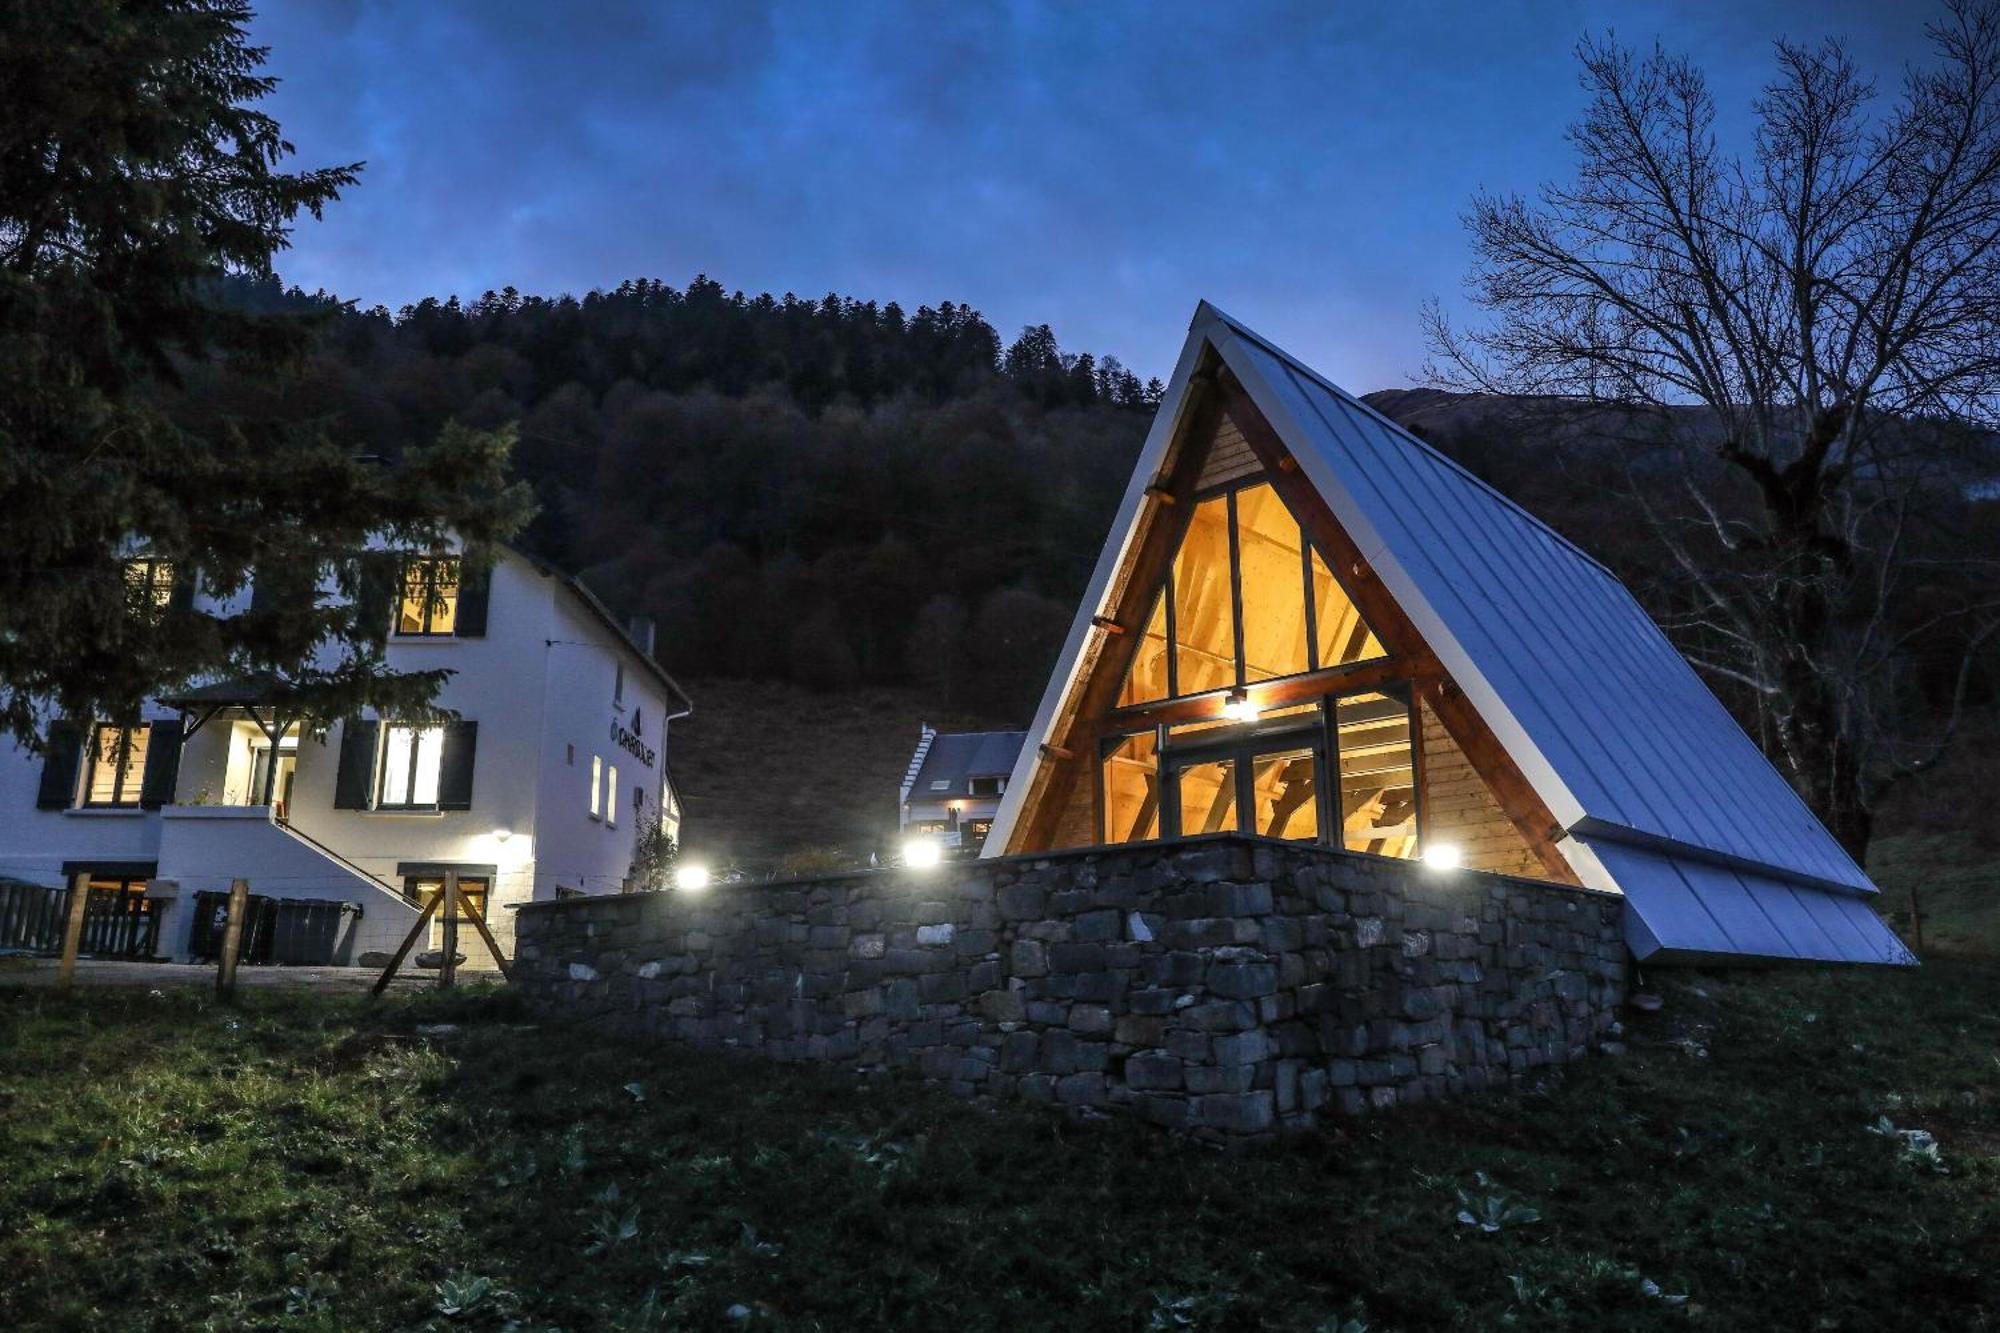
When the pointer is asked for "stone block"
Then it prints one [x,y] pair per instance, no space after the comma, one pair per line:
[1081,1090]
[1236,1112]
[1000,1006]
[1152,1070]
[1090,1019]
[1219,1078]
[937,933]
[1243,981]
[1097,927]
[1028,958]
[1021,901]
[1241,1048]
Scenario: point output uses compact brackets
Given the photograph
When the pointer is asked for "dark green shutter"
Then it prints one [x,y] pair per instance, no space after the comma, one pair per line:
[180,596]
[475,586]
[60,757]
[377,589]
[163,764]
[357,764]
[455,770]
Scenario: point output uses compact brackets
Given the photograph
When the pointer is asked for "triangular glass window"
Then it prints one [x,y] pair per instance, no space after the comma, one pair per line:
[1344,636]
[1248,600]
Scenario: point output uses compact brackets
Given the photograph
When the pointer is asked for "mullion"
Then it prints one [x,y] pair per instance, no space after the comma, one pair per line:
[1236,590]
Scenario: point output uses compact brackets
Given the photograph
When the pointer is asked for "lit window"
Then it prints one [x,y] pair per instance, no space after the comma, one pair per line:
[117,765]
[1132,789]
[611,796]
[1248,600]
[149,585]
[596,786]
[472,894]
[429,603]
[411,759]
[1378,789]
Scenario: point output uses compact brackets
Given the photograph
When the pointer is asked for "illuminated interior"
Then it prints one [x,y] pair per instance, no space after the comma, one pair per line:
[1248,600]
[117,765]
[1378,784]
[429,602]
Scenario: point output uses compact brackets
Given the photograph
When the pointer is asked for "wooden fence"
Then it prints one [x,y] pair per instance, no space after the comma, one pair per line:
[117,923]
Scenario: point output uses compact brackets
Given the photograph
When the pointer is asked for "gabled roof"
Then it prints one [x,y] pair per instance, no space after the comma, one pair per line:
[955,758]
[1663,796]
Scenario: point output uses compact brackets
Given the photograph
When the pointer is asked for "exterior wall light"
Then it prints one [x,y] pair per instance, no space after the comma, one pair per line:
[921,853]
[1443,856]
[691,878]
[1238,708]
[502,834]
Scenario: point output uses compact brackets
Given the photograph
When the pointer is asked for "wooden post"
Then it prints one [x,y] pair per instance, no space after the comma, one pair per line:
[478,920]
[403,949]
[232,939]
[79,903]
[448,968]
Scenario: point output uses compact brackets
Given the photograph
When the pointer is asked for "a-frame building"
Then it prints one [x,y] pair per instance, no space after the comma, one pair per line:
[1308,624]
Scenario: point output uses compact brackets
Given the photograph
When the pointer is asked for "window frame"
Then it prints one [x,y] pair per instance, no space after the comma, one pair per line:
[1242,743]
[153,593]
[416,733]
[1163,592]
[121,768]
[433,599]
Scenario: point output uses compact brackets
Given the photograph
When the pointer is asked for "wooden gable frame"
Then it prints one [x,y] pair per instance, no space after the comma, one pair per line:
[1070,755]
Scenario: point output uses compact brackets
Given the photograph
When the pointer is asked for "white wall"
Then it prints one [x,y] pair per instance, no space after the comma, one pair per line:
[35,843]
[539,684]
[576,851]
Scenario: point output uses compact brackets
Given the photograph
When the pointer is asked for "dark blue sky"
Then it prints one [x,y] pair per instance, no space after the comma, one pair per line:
[1100,166]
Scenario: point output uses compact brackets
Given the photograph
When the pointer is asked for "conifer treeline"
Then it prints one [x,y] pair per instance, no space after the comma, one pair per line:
[832,492]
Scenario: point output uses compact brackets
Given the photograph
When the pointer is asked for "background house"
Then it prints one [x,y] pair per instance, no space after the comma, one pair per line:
[954,784]
[540,786]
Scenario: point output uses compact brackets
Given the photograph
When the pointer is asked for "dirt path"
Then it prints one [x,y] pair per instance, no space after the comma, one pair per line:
[41,972]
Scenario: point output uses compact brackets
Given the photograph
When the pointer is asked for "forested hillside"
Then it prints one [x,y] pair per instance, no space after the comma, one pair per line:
[839,494]
[834,492]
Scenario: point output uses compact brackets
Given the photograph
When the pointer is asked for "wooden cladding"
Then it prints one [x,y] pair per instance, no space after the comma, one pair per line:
[1474,795]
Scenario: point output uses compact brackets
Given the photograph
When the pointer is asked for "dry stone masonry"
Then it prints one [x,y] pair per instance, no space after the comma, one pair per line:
[1224,986]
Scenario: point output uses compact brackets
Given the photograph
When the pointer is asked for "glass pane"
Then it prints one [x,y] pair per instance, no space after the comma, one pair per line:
[1208,797]
[1343,636]
[1132,790]
[1274,595]
[1378,798]
[471,895]
[1204,608]
[444,596]
[1147,679]
[430,597]
[396,766]
[430,757]
[117,766]
[1284,794]
[410,614]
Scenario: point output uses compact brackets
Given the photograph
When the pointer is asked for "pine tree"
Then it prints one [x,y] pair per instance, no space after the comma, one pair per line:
[136,176]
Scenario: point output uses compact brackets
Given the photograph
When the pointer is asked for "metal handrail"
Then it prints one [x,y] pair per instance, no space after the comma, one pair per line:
[315,843]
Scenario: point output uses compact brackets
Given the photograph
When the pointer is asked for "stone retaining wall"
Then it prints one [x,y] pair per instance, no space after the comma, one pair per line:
[1226,986]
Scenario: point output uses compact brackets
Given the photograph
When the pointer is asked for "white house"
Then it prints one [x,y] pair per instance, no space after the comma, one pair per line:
[557,761]
[954,783]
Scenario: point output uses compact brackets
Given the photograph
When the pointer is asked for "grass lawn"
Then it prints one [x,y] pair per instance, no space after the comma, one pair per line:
[305,1161]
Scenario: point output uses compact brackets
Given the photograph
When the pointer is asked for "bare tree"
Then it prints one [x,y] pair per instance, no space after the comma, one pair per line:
[1810,334]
